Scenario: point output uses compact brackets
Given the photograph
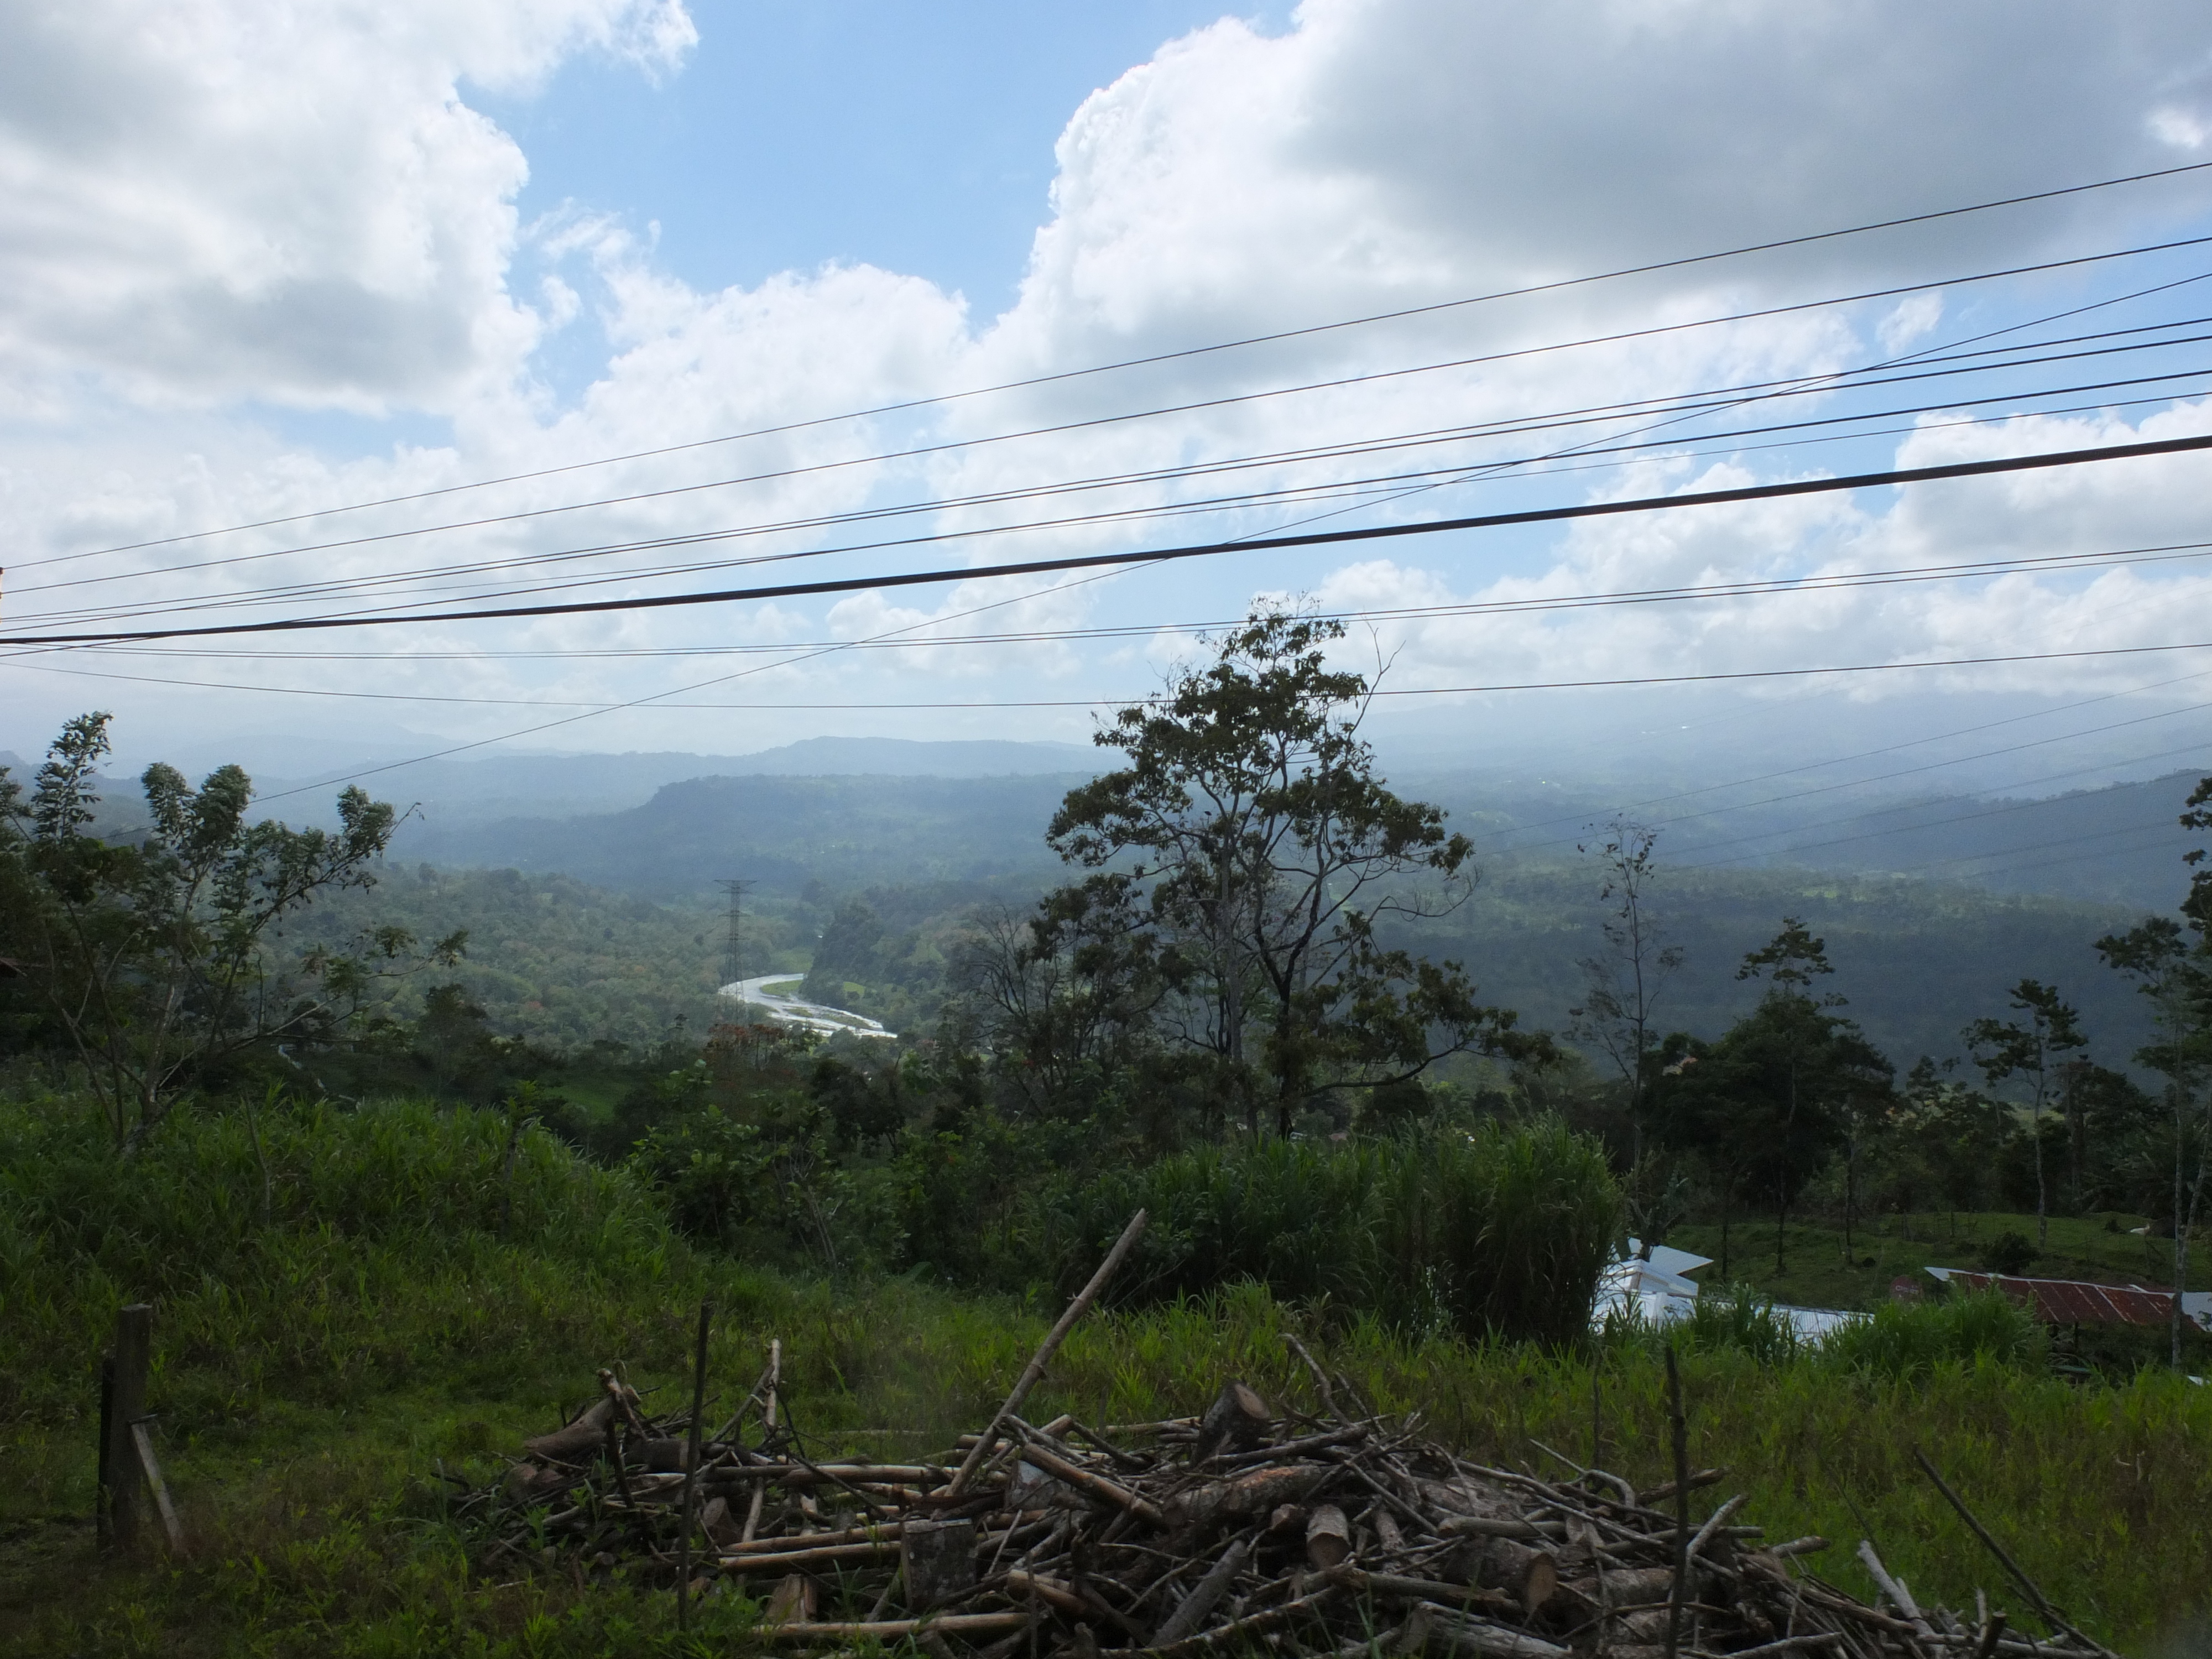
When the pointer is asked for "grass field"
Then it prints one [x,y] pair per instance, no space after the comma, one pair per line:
[314,1367]
[1821,1275]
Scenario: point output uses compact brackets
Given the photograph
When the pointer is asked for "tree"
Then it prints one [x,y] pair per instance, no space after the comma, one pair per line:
[1067,992]
[1623,984]
[154,957]
[1801,1042]
[2009,1048]
[1263,853]
[1954,1136]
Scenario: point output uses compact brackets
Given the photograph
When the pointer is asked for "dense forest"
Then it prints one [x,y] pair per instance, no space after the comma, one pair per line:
[1335,967]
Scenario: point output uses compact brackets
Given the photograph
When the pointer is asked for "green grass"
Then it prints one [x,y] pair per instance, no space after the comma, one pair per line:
[1819,1275]
[311,1372]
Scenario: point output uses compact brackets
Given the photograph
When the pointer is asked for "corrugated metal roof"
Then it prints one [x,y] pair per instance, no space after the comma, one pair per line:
[2075,1301]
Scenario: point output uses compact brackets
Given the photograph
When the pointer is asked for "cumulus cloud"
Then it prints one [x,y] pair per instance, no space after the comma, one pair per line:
[202,201]
[215,206]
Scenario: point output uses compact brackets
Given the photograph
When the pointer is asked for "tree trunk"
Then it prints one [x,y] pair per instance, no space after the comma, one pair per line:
[1851,1191]
[1728,1204]
[2042,1205]
[2077,1138]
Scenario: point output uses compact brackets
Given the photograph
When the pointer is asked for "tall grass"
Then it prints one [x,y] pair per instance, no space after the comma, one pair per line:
[1498,1231]
[312,1370]
[1908,1340]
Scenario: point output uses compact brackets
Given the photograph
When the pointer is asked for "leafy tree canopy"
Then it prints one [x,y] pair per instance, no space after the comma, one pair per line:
[1248,857]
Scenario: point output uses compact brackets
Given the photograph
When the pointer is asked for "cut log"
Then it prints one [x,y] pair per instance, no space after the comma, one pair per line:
[1328,1538]
[663,1454]
[1247,1497]
[1287,1517]
[1438,1630]
[1237,1420]
[579,1442]
[793,1601]
[717,1523]
[1530,1577]
[937,1559]
[526,1483]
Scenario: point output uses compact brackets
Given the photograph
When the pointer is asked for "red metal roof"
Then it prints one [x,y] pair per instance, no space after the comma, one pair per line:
[2076,1301]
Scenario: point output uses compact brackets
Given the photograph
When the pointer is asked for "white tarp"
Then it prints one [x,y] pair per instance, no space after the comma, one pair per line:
[1660,1291]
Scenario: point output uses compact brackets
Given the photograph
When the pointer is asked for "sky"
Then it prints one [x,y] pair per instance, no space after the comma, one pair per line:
[311,311]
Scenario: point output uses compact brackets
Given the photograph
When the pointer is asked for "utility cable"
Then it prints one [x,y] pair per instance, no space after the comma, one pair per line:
[1558,286]
[1100,560]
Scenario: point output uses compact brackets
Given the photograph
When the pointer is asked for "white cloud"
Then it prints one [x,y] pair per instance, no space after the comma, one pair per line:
[202,201]
[217,204]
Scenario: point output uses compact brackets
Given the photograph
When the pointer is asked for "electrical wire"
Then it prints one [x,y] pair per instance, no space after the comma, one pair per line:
[1680,406]
[1086,561]
[1396,442]
[1403,313]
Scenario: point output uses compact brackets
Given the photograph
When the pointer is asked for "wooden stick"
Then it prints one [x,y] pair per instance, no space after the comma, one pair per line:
[1811,1544]
[2050,1614]
[691,1473]
[813,1555]
[1419,1589]
[1714,1523]
[1204,1594]
[1681,1503]
[768,1421]
[1035,1368]
[1049,1589]
[1232,1633]
[1900,1597]
[1096,1484]
[1702,1478]
[1991,1630]
[1321,1377]
[133,1341]
[883,1532]
[143,1443]
[891,1630]
[1825,1638]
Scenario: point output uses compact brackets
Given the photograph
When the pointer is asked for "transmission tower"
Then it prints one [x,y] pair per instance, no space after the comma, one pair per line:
[733,964]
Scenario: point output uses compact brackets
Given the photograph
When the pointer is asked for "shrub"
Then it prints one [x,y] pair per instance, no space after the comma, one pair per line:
[2009,1252]
[1737,1317]
[1910,1340]
[1497,1232]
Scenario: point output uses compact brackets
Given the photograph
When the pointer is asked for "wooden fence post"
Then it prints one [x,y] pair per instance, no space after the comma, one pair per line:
[125,1399]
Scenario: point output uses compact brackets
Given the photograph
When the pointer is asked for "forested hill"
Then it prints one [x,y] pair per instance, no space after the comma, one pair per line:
[2119,845]
[781,832]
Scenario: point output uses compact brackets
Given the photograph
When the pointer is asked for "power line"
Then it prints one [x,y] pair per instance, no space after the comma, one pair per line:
[1309,332]
[1776,588]
[2028,564]
[1098,561]
[1678,405]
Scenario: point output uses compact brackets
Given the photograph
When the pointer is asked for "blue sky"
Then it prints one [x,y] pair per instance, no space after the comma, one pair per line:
[919,138]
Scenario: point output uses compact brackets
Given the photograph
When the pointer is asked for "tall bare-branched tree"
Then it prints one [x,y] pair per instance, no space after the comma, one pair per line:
[1622,985]
[2170,959]
[2029,1049]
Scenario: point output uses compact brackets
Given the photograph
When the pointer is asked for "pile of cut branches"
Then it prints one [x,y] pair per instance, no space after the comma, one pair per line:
[1337,1531]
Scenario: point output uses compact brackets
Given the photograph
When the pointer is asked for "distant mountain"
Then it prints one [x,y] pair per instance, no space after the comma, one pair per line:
[781,831]
[2122,843]
[477,789]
